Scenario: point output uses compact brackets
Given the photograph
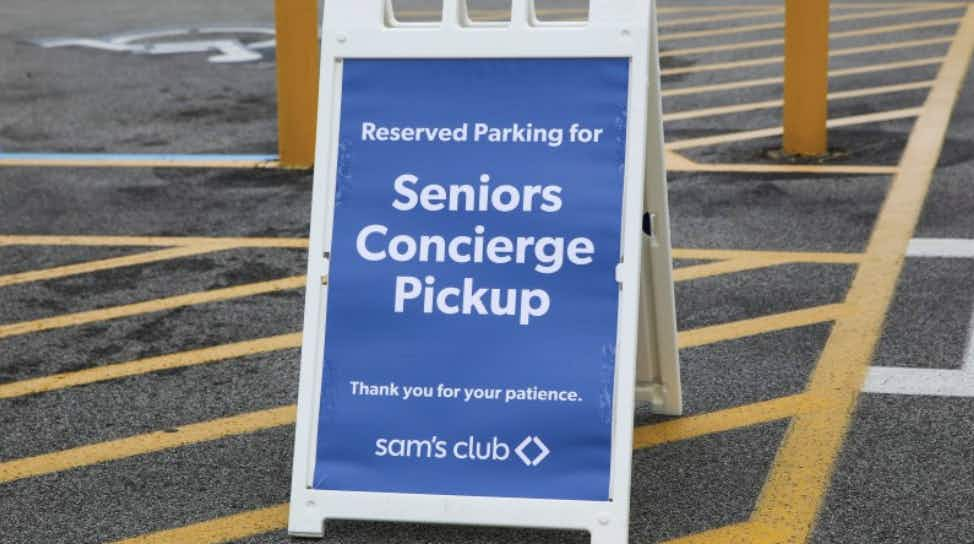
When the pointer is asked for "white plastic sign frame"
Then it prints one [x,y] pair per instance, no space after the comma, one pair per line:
[615,29]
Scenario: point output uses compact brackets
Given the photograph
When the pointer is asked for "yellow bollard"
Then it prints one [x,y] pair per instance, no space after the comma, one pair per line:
[297,81]
[806,77]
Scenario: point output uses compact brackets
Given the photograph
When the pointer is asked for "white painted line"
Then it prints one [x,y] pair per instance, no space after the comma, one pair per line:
[919,381]
[968,366]
[941,247]
[928,381]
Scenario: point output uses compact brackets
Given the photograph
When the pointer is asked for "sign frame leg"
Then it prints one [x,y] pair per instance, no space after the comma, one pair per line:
[658,380]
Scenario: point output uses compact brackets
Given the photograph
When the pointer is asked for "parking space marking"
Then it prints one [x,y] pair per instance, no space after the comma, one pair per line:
[107,264]
[838,6]
[688,427]
[761,325]
[802,470]
[680,163]
[941,247]
[676,162]
[743,135]
[220,530]
[737,264]
[874,5]
[114,450]
[151,364]
[677,36]
[674,36]
[264,419]
[815,411]
[919,382]
[930,381]
[716,9]
[789,169]
[765,81]
[255,522]
[727,261]
[748,532]
[835,35]
[771,104]
[769,12]
[728,266]
[778,59]
[99,160]
[148,241]
[730,262]
[888,46]
[789,256]
[157,305]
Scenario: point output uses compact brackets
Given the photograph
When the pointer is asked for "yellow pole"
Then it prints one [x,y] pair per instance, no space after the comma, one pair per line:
[297,81]
[806,76]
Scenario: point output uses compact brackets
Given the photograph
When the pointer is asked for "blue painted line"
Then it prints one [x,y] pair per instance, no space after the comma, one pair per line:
[105,157]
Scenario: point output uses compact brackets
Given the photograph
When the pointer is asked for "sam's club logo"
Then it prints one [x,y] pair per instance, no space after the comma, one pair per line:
[531,451]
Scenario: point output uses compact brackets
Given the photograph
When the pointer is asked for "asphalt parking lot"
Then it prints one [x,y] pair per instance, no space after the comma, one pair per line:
[149,316]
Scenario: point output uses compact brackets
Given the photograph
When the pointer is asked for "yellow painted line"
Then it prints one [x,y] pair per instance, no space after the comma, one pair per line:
[776,131]
[872,5]
[715,67]
[721,66]
[793,494]
[748,83]
[760,325]
[676,162]
[885,67]
[218,531]
[739,533]
[820,169]
[270,519]
[300,243]
[702,50]
[264,520]
[152,364]
[883,89]
[720,8]
[891,11]
[877,117]
[255,421]
[720,17]
[769,104]
[685,428]
[720,87]
[674,36]
[729,266]
[274,518]
[157,305]
[106,264]
[803,467]
[750,63]
[148,241]
[81,162]
[124,448]
[894,28]
[790,256]
[779,41]
[889,46]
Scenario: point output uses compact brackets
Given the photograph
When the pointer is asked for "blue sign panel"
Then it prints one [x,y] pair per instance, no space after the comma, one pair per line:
[472,300]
